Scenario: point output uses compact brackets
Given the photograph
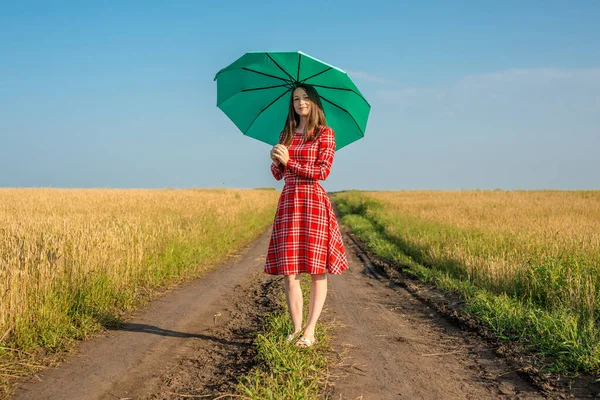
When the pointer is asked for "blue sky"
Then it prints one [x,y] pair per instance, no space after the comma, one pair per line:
[464,95]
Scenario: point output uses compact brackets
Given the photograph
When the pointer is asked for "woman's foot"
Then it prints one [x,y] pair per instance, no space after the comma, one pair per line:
[305,342]
[292,336]
[308,338]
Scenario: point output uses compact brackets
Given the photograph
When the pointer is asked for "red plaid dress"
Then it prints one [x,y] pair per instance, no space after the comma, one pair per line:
[306,236]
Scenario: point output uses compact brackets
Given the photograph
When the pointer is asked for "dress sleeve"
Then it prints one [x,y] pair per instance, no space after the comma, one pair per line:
[277,171]
[322,166]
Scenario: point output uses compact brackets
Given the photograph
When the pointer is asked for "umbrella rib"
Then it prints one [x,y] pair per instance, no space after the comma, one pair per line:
[250,90]
[265,74]
[315,75]
[264,88]
[344,110]
[264,109]
[279,66]
[344,89]
[298,74]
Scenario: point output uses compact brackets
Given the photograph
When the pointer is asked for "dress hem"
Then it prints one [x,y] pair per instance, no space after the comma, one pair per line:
[305,272]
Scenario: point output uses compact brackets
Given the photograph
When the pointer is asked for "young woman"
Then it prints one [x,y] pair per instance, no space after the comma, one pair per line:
[306,237]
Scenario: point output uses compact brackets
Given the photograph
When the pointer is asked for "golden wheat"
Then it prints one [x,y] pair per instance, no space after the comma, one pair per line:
[526,262]
[507,241]
[64,250]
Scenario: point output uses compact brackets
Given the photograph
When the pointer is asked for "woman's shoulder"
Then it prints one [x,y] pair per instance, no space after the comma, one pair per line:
[326,133]
[326,130]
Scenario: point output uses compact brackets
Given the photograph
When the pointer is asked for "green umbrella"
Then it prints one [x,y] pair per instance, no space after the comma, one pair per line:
[254,92]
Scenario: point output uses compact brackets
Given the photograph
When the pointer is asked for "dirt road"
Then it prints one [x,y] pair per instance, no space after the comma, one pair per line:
[390,345]
[192,342]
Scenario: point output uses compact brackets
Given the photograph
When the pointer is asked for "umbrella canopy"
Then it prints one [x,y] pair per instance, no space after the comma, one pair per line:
[254,92]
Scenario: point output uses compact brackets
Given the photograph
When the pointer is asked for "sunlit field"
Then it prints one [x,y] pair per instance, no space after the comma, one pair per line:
[528,262]
[72,261]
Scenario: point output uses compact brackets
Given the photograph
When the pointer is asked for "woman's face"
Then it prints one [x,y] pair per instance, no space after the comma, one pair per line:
[301,102]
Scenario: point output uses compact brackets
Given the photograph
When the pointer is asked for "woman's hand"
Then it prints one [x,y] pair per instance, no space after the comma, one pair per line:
[280,153]
[273,157]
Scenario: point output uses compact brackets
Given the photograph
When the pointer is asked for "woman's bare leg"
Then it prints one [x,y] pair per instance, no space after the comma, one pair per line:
[293,295]
[318,293]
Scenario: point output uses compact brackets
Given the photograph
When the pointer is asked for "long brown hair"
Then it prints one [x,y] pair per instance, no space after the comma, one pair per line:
[316,117]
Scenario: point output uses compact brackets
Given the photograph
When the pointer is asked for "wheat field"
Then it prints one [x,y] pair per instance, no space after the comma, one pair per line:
[72,261]
[500,236]
[529,261]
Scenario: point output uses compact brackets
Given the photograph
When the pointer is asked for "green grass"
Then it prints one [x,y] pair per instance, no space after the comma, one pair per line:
[550,305]
[284,371]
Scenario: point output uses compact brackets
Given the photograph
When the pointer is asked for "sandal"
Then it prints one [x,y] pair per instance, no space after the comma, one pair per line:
[291,337]
[305,342]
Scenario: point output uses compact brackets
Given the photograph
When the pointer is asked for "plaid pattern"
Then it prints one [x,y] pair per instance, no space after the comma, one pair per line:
[306,236]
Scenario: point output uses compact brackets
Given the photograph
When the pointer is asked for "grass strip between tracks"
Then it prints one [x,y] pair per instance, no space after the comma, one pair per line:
[285,371]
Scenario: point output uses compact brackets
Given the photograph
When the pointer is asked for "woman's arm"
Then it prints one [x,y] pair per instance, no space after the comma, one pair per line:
[322,167]
[277,170]
[277,167]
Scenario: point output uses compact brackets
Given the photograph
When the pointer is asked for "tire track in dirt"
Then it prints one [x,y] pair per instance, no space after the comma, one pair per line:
[390,345]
